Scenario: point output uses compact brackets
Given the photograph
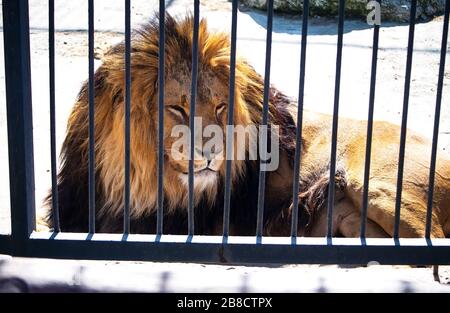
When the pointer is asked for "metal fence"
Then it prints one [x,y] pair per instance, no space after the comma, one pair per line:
[23,241]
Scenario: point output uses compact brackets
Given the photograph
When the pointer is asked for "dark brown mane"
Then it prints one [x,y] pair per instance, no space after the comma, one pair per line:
[313,195]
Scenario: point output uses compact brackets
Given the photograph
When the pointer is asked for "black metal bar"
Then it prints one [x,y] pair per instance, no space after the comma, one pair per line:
[335,120]
[161,71]
[401,157]
[51,62]
[126,213]
[298,143]
[230,121]
[308,251]
[19,118]
[373,80]
[192,116]
[91,120]
[7,244]
[265,117]
[437,116]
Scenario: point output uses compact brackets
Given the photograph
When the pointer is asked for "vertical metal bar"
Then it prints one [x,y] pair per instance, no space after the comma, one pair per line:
[298,143]
[335,119]
[230,121]
[51,62]
[192,116]
[91,120]
[437,115]
[19,118]
[126,213]
[373,79]
[401,158]
[265,117]
[160,212]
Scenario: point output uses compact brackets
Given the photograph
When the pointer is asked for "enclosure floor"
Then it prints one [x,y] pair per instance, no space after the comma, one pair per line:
[45,275]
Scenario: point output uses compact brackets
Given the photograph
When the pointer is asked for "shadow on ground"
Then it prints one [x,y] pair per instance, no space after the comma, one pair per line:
[291,24]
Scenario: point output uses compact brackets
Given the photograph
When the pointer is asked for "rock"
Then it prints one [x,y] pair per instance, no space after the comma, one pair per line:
[391,10]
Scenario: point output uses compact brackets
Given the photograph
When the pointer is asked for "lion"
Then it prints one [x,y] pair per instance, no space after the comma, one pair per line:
[212,105]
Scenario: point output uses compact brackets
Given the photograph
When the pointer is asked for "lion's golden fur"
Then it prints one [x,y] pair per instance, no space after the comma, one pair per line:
[382,178]
[213,77]
[109,117]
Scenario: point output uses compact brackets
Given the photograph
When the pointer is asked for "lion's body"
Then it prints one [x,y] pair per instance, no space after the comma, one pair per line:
[382,179]
[212,101]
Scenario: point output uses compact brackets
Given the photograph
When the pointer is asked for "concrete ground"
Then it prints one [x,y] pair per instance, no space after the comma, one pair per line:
[45,275]
[71,71]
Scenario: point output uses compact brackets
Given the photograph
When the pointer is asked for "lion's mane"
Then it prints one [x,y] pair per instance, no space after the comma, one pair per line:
[214,54]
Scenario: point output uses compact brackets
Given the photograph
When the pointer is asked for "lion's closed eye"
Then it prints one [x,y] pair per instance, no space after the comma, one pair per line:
[220,109]
[177,111]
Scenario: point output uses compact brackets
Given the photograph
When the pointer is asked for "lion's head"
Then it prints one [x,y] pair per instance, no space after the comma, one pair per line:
[211,105]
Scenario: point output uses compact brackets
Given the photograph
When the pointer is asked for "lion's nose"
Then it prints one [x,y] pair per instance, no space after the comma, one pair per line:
[208,155]
[211,155]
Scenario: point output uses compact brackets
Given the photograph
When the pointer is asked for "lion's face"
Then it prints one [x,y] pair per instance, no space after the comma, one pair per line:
[210,121]
[211,110]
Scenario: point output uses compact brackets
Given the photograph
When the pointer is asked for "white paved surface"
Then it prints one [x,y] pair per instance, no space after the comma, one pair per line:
[56,275]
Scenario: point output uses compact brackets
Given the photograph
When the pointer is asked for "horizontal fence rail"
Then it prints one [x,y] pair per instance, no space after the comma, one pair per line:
[211,249]
[24,241]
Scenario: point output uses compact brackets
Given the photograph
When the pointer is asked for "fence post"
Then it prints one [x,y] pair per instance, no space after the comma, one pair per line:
[19,117]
